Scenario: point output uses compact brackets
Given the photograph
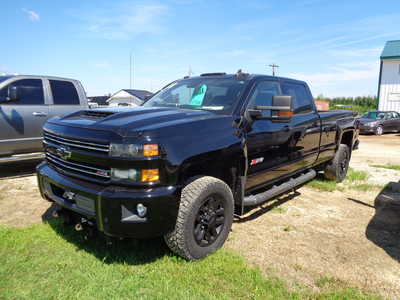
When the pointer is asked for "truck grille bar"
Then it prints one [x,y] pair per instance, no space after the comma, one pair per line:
[73,166]
[75,143]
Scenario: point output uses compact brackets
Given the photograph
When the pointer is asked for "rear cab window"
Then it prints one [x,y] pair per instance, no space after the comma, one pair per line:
[64,92]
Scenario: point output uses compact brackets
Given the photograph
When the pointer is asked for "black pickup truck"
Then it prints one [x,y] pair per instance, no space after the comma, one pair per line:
[198,152]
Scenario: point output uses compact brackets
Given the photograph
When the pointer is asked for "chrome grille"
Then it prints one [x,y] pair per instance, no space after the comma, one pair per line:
[52,138]
[77,167]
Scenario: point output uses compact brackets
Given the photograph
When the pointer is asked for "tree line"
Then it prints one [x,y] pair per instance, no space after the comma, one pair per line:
[358,104]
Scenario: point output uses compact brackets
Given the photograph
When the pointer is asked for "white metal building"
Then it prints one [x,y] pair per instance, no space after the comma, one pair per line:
[389,77]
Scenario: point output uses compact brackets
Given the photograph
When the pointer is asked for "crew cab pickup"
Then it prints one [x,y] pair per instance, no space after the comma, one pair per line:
[26,103]
[191,157]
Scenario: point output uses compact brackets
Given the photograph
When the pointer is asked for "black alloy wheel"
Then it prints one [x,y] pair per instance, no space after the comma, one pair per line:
[209,221]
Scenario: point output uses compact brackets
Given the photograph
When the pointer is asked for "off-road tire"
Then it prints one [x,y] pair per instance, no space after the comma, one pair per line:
[337,168]
[379,130]
[194,195]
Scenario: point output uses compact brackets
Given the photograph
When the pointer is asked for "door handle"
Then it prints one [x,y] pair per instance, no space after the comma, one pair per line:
[39,114]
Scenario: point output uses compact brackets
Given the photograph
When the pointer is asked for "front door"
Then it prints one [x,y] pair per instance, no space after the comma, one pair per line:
[268,145]
[21,121]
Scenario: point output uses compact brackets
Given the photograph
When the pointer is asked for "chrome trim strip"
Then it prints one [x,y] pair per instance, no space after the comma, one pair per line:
[65,165]
[75,164]
[74,144]
[75,141]
[21,157]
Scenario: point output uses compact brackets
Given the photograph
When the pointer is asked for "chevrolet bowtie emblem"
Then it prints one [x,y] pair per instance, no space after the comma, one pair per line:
[63,153]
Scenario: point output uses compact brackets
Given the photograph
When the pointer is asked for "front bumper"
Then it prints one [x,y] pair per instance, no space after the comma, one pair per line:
[112,208]
[367,129]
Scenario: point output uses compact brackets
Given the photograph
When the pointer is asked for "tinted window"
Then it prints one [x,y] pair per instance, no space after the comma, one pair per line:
[64,93]
[29,91]
[262,95]
[301,98]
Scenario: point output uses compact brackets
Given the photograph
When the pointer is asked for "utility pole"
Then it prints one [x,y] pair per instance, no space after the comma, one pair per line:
[274,66]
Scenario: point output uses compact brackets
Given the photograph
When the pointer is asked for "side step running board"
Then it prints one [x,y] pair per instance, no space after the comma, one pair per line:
[278,189]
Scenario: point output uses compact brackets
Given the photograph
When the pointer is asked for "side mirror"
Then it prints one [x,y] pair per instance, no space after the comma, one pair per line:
[281,109]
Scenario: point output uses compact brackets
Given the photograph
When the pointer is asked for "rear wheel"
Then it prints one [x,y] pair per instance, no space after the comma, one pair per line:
[204,219]
[337,168]
[379,130]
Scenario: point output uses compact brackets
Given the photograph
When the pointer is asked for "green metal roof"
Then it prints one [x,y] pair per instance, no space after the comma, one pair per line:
[391,50]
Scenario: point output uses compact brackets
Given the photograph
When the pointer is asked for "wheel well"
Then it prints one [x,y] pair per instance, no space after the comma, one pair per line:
[347,139]
[226,174]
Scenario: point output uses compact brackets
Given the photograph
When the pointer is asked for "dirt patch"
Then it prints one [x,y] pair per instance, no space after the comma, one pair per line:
[20,200]
[317,235]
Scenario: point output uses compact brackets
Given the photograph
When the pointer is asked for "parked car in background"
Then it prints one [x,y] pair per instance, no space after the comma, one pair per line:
[26,103]
[379,122]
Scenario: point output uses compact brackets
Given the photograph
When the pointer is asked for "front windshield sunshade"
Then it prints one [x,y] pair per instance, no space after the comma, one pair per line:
[198,95]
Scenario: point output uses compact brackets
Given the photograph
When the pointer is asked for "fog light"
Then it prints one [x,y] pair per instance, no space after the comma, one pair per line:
[141,210]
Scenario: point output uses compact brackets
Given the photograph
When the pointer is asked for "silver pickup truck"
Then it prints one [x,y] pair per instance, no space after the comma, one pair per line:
[26,103]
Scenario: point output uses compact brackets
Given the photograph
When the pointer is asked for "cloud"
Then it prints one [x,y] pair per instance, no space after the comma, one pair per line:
[32,15]
[340,73]
[123,22]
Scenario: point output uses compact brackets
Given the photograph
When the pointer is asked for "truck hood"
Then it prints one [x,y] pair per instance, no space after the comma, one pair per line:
[143,120]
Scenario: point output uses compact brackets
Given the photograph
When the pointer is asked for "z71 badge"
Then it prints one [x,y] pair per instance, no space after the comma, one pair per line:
[256,161]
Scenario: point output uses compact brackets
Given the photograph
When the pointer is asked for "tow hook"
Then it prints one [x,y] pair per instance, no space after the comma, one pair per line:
[87,226]
[78,227]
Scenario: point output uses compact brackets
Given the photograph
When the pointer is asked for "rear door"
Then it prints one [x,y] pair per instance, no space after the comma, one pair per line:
[65,97]
[21,121]
[392,121]
[396,121]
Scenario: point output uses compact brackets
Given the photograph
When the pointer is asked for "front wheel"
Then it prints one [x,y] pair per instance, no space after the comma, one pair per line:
[204,219]
[337,168]
[379,130]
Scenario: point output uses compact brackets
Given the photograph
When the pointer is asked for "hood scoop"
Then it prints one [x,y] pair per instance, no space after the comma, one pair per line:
[96,115]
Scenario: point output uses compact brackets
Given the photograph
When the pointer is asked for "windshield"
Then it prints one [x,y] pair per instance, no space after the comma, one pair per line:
[374,115]
[213,94]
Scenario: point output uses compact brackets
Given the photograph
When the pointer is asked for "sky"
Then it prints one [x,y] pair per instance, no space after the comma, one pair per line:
[333,45]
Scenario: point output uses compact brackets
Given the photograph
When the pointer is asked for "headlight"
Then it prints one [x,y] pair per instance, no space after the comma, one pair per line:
[133,150]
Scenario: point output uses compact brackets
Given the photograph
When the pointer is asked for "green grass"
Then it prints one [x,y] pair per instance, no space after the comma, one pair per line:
[390,167]
[354,175]
[355,180]
[49,261]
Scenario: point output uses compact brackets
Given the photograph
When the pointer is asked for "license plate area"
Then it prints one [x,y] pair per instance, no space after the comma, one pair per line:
[71,197]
